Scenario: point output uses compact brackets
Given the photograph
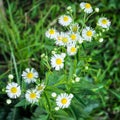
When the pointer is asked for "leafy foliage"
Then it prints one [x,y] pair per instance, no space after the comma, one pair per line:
[22,37]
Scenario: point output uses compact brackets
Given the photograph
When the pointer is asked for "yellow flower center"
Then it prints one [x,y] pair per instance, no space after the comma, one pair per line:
[13,89]
[51,31]
[73,36]
[87,5]
[58,61]
[30,75]
[32,95]
[65,18]
[89,33]
[64,101]
[65,39]
[104,21]
[73,49]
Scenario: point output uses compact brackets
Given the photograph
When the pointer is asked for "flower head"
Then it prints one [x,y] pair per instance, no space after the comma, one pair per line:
[58,39]
[30,75]
[65,20]
[88,33]
[73,37]
[40,87]
[86,7]
[32,95]
[104,22]
[71,49]
[64,100]
[65,39]
[57,61]
[13,90]
[51,33]
[74,27]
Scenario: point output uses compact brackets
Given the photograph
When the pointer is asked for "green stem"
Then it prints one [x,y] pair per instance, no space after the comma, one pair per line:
[49,106]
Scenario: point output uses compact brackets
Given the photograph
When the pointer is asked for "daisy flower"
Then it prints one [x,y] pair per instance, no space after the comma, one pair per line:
[57,61]
[73,37]
[65,20]
[30,75]
[58,39]
[51,33]
[13,90]
[86,7]
[74,27]
[88,33]
[65,39]
[71,49]
[40,87]
[32,95]
[104,22]
[64,100]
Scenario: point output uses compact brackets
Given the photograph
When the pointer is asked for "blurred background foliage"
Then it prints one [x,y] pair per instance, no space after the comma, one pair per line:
[22,41]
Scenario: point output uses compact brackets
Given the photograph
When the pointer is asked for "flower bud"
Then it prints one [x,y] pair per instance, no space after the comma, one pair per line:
[10,76]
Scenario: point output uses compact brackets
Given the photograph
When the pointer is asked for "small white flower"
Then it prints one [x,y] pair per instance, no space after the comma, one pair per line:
[57,108]
[30,75]
[77,79]
[8,101]
[32,95]
[86,7]
[73,37]
[74,27]
[71,49]
[96,9]
[13,90]
[10,76]
[40,87]
[51,33]
[58,39]
[64,100]
[65,39]
[101,40]
[57,61]
[65,20]
[53,94]
[88,33]
[104,22]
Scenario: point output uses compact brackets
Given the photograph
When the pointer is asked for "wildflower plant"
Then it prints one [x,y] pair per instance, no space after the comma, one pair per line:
[68,80]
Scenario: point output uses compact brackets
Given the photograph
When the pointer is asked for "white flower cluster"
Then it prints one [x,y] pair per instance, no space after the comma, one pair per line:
[68,41]
[74,35]
[13,90]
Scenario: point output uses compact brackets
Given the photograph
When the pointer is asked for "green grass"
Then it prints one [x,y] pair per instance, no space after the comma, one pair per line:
[22,41]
